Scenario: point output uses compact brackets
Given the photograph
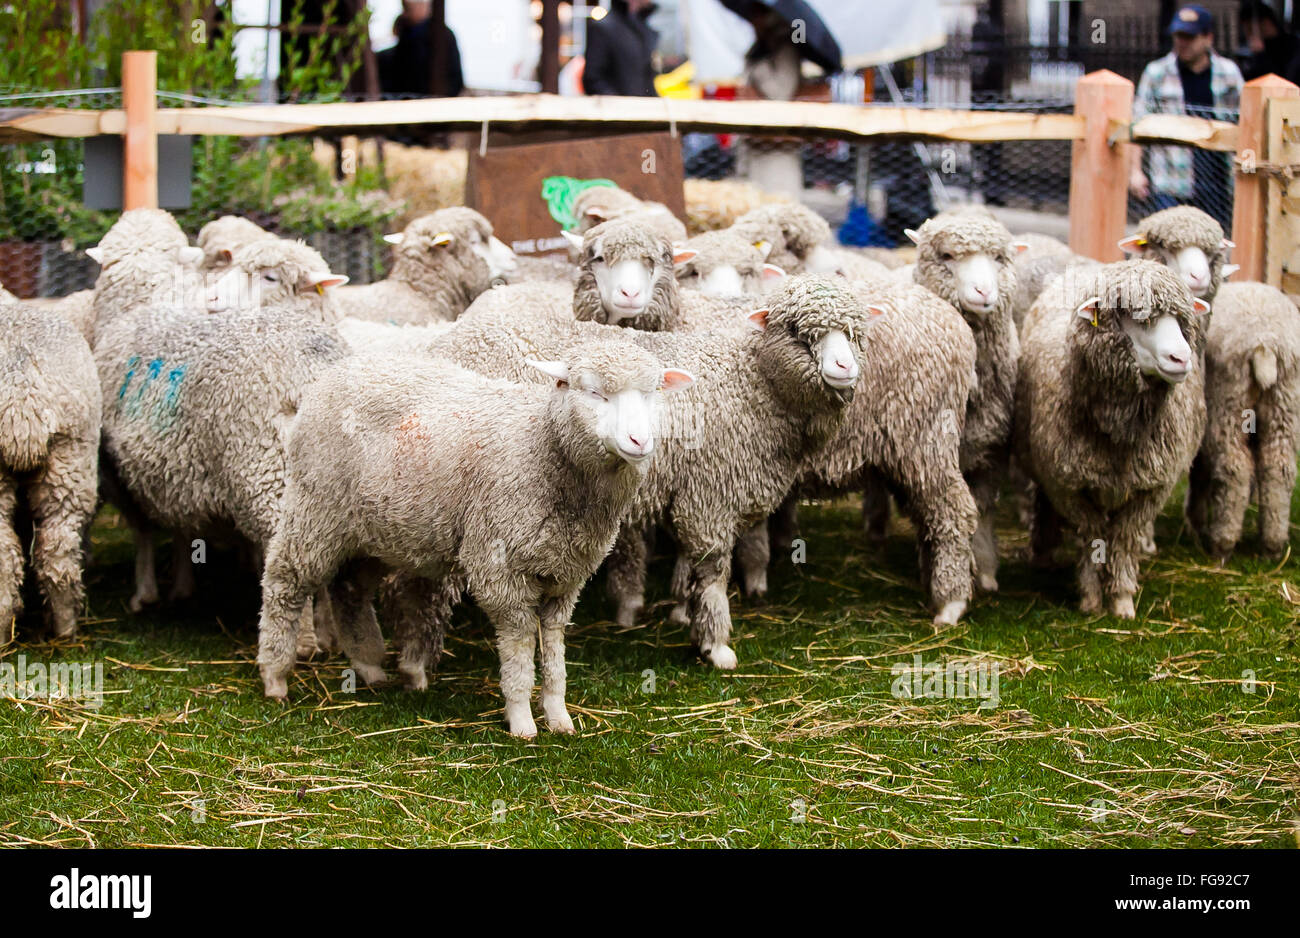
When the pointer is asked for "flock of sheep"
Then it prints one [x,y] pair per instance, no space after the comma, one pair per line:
[501,427]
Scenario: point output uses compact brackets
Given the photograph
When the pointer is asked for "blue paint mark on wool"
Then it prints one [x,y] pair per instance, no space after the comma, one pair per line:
[136,401]
[164,417]
[130,373]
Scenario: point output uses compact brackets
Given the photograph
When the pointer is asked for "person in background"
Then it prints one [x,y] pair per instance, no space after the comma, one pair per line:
[1191,80]
[1273,50]
[406,69]
[620,46]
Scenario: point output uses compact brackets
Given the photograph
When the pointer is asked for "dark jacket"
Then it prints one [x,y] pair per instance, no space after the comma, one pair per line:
[406,68]
[1281,56]
[618,53]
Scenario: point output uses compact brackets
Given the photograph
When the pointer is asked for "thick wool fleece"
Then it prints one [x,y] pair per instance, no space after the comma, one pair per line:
[77,308]
[1252,382]
[144,263]
[547,268]
[986,436]
[792,230]
[736,438]
[443,474]
[1185,226]
[622,240]
[428,281]
[197,406]
[220,238]
[1035,270]
[1104,443]
[49,450]
[610,203]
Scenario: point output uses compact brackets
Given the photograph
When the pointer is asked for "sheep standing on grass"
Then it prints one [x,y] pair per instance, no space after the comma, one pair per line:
[965,258]
[441,262]
[49,452]
[1252,382]
[764,400]
[1110,408]
[442,474]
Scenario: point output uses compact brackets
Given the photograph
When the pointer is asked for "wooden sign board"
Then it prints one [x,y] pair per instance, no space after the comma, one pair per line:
[505,184]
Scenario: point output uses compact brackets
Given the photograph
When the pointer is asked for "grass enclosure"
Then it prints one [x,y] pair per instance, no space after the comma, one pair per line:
[1107,733]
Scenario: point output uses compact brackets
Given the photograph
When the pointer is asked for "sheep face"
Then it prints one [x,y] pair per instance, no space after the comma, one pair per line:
[628,267]
[816,329]
[718,263]
[1190,262]
[967,263]
[463,234]
[611,396]
[273,274]
[838,359]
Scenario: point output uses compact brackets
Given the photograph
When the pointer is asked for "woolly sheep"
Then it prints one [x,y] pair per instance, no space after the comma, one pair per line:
[598,204]
[145,260]
[714,204]
[798,240]
[441,262]
[1188,240]
[723,263]
[1252,381]
[763,401]
[49,451]
[965,258]
[439,473]
[221,237]
[277,274]
[1110,409]
[77,308]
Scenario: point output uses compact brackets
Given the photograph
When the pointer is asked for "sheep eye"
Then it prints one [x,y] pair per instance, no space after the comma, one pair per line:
[945,257]
[270,277]
[598,259]
[596,394]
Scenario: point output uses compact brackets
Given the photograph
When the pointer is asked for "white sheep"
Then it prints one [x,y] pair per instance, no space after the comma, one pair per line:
[49,451]
[439,473]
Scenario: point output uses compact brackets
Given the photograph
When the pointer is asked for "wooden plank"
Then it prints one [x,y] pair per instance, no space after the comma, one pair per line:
[1098,169]
[1282,226]
[800,118]
[1250,199]
[140,152]
[505,184]
[1179,129]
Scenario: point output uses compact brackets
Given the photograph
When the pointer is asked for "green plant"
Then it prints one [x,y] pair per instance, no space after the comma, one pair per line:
[343,208]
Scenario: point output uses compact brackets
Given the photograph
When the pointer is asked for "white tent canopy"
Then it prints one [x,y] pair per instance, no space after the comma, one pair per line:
[870,32]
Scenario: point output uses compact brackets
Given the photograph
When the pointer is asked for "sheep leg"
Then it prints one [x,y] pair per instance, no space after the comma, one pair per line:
[182,568]
[984,489]
[62,501]
[1125,549]
[1095,552]
[679,588]
[11,560]
[323,623]
[351,593]
[516,627]
[710,611]
[419,609]
[555,613]
[945,515]
[1276,474]
[784,524]
[875,510]
[753,554]
[146,577]
[292,574]
[1228,495]
[625,571]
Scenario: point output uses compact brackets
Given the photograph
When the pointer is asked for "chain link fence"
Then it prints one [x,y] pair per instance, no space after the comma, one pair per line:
[869,192]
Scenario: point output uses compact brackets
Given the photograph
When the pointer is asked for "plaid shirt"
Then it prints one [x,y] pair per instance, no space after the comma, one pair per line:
[1161,92]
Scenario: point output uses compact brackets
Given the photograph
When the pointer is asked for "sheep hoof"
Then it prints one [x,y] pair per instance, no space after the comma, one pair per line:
[988,583]
[306,648]
[1149,546]
[561,723]
[142,599]
[950,614]
[756,584]
[1121,607]
[722,657]
[1090,605]
[275,688]
[627,613]
[521,724]
[414,678]
[372,674]
[679,615]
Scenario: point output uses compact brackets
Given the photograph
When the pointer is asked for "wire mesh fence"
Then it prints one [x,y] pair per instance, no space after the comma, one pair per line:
[342,198]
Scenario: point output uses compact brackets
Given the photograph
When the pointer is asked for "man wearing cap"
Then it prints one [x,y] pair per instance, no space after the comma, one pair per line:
[1193,80]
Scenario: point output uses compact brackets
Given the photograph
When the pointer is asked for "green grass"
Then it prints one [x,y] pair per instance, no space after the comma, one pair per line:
[1106,733]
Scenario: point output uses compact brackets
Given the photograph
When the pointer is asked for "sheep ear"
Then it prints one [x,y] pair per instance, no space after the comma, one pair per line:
[683,255]
[1020,247]
[573,238]
[394,238]
[96,254]
[912,235]
[675,379]
[321,282]
[764,247]
[772,273]
[1230,269]
[874,311]
[1227,244]
[758,319]
[1199,306]
[189,256]
[225,255]
[1088,309]
[442,239]
[597,213]
[557,370]
[1133,244]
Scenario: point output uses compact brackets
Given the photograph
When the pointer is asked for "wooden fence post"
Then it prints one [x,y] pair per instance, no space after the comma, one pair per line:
[1250,208]
[140,147]
[1098,169]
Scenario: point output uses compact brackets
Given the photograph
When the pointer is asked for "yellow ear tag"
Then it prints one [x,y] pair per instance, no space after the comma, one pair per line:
[321,290]
[1094,318]
[760,244]
[1141,242]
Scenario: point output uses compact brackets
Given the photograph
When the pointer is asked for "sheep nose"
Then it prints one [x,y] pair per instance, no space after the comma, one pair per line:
[635,442]
[630,294]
